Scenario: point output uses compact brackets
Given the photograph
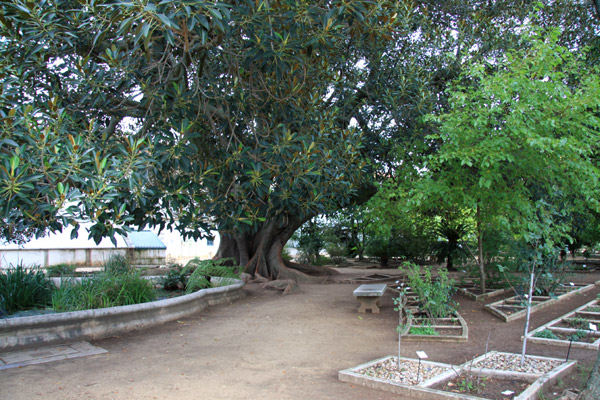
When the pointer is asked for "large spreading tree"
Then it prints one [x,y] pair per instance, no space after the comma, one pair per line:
[248,116]
[190,115]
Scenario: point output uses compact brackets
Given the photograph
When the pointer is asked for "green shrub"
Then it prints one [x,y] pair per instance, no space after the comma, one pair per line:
[579,335]
[546,334]
[337,252]
[205,270]
[117,264]
[23,289]
[382,248]
[61,269]
[102,290]
[174,279]
[435,296]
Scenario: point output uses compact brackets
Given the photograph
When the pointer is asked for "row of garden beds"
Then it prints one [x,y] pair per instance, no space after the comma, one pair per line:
[578,328]
[515,307]
[493,375]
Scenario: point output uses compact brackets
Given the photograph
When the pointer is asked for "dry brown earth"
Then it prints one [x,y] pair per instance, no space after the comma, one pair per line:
[269,346]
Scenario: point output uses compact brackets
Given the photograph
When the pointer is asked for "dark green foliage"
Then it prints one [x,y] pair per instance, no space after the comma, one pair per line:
[22,289]
[451,242]
[337,252]
[204,272]
[175,278]
[384,248]
[310,241]
[61,269]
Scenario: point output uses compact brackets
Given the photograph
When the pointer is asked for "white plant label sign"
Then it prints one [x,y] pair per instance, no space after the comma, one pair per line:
[422,355]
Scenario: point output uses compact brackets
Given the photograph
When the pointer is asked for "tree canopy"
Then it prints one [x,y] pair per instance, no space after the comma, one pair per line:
[249,116]
[167,113]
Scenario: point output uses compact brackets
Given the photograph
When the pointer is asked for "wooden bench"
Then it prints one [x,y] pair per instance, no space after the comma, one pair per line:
[369,295]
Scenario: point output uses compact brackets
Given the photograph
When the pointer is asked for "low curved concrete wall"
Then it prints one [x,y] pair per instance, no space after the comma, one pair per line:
[17,333]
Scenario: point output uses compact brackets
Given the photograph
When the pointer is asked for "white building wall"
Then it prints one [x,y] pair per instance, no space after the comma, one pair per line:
[59,248]
[181,251]
[26,258]
[66,256]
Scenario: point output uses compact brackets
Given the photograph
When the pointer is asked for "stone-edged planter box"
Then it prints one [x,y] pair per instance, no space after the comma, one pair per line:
[514,307]
[470,291]
[23,332]
[561,327]
[426,389]
[452,329]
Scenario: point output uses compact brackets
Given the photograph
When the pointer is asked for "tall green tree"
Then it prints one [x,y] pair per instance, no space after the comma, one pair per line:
[518,144]
[249,116]
[190,115]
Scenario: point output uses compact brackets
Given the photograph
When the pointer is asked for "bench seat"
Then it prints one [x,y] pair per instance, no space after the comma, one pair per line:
[368,295]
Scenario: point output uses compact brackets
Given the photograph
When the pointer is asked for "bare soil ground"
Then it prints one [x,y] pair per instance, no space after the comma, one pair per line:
[269,346]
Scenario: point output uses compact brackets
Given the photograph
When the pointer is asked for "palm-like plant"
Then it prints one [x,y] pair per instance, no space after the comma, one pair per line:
[451,243]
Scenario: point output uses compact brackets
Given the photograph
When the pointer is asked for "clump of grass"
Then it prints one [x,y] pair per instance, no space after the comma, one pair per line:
[103,290]
[118,285]
[23,289]
[61,269]
[117,264]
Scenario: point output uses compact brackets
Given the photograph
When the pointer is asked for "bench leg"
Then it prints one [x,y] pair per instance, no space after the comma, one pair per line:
[369,302]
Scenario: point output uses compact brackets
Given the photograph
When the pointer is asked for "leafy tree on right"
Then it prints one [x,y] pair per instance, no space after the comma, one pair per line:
[518,143]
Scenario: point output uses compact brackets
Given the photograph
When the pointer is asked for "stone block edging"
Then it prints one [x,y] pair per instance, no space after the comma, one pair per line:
[463,337]
[24,332]
[424,389]
[561,342]
[481,297]
[538,305]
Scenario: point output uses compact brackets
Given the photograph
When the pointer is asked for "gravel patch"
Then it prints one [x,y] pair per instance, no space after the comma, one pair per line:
[407,373]
[512,362]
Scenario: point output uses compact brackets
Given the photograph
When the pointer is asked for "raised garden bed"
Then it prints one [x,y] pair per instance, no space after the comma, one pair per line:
[571,329]
[473,292]
[421,328]
[432,380]
[514,307]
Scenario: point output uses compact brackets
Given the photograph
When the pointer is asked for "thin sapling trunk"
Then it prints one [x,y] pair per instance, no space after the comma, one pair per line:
[529,301]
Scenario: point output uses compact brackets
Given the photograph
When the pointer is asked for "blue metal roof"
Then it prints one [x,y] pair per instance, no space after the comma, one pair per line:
[144,240]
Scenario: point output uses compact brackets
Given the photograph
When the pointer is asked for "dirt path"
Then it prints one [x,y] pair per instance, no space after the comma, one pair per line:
[266,346]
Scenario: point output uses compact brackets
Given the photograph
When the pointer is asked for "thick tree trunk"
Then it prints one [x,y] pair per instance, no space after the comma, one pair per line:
[261,253]
[592,388]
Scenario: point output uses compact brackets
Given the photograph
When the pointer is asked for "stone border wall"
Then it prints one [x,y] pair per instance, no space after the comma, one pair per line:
[24,332]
